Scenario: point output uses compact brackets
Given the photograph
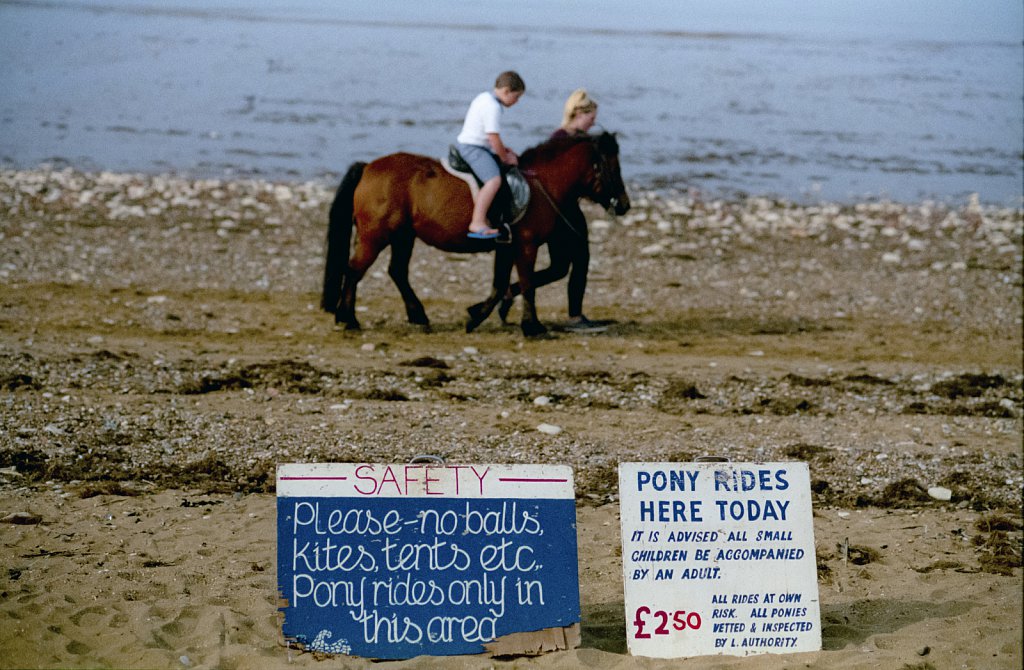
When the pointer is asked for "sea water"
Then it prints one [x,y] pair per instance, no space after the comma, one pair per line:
[802,99]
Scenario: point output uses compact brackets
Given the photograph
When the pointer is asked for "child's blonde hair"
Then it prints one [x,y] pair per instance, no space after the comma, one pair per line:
[578,103]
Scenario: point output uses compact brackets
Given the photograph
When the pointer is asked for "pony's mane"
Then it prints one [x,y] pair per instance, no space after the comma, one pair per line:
[556,146]
[551,149]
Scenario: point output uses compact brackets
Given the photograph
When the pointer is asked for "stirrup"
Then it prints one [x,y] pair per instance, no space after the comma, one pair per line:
[505,236]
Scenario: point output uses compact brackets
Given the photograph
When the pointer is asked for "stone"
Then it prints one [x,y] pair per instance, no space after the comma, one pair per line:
[549,429]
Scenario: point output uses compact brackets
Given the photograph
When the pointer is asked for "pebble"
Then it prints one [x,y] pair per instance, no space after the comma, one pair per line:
[542,400]
[549,429]
[940,493]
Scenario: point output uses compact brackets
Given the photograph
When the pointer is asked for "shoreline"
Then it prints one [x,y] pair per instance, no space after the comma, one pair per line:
[657,187]
[315,192]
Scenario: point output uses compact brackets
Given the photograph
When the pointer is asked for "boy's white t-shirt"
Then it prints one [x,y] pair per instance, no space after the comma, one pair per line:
[483,117]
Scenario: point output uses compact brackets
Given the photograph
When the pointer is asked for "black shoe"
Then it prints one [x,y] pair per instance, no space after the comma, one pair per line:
[582,324]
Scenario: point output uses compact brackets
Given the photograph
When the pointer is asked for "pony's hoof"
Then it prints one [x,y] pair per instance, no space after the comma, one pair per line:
[504,308]
[477,315]
[534,329]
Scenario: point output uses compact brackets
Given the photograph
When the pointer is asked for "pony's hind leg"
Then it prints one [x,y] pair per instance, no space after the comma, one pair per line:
[398,270]
[558,268]
[366,252]
[346,312]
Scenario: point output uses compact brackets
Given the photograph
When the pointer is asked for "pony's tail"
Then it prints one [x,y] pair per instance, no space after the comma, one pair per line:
[339,235]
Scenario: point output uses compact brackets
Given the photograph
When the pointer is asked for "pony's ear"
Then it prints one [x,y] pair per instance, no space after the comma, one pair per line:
[607,143]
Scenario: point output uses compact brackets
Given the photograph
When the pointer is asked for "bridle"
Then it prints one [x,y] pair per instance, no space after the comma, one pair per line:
[598,181]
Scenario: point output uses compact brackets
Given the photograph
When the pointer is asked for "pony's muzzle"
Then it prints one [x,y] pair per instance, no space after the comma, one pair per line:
[619,206]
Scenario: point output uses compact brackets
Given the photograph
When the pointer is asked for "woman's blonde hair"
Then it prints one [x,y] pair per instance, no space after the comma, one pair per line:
[578,103]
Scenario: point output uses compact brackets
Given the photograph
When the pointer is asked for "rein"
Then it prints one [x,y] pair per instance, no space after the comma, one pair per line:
[551,202]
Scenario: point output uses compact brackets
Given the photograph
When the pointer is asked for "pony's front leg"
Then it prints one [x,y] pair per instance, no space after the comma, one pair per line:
[479,312]
[558,268]
[525,261]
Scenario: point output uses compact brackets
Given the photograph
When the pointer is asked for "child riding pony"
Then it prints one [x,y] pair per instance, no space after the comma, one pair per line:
[402,196]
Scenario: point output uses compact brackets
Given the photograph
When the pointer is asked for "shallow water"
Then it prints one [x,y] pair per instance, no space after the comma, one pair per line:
[788,99]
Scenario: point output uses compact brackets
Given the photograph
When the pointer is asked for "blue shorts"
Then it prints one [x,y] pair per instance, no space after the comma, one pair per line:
[483,161]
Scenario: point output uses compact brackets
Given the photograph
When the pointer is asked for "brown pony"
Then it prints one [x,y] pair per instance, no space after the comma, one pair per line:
[402,196]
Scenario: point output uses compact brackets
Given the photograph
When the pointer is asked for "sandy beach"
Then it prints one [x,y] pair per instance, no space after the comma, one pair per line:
[162,350]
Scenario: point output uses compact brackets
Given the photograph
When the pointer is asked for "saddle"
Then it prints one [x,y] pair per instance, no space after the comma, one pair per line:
[513,197]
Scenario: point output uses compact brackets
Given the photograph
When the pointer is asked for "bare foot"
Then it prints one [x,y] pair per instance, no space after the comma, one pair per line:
[482,229]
